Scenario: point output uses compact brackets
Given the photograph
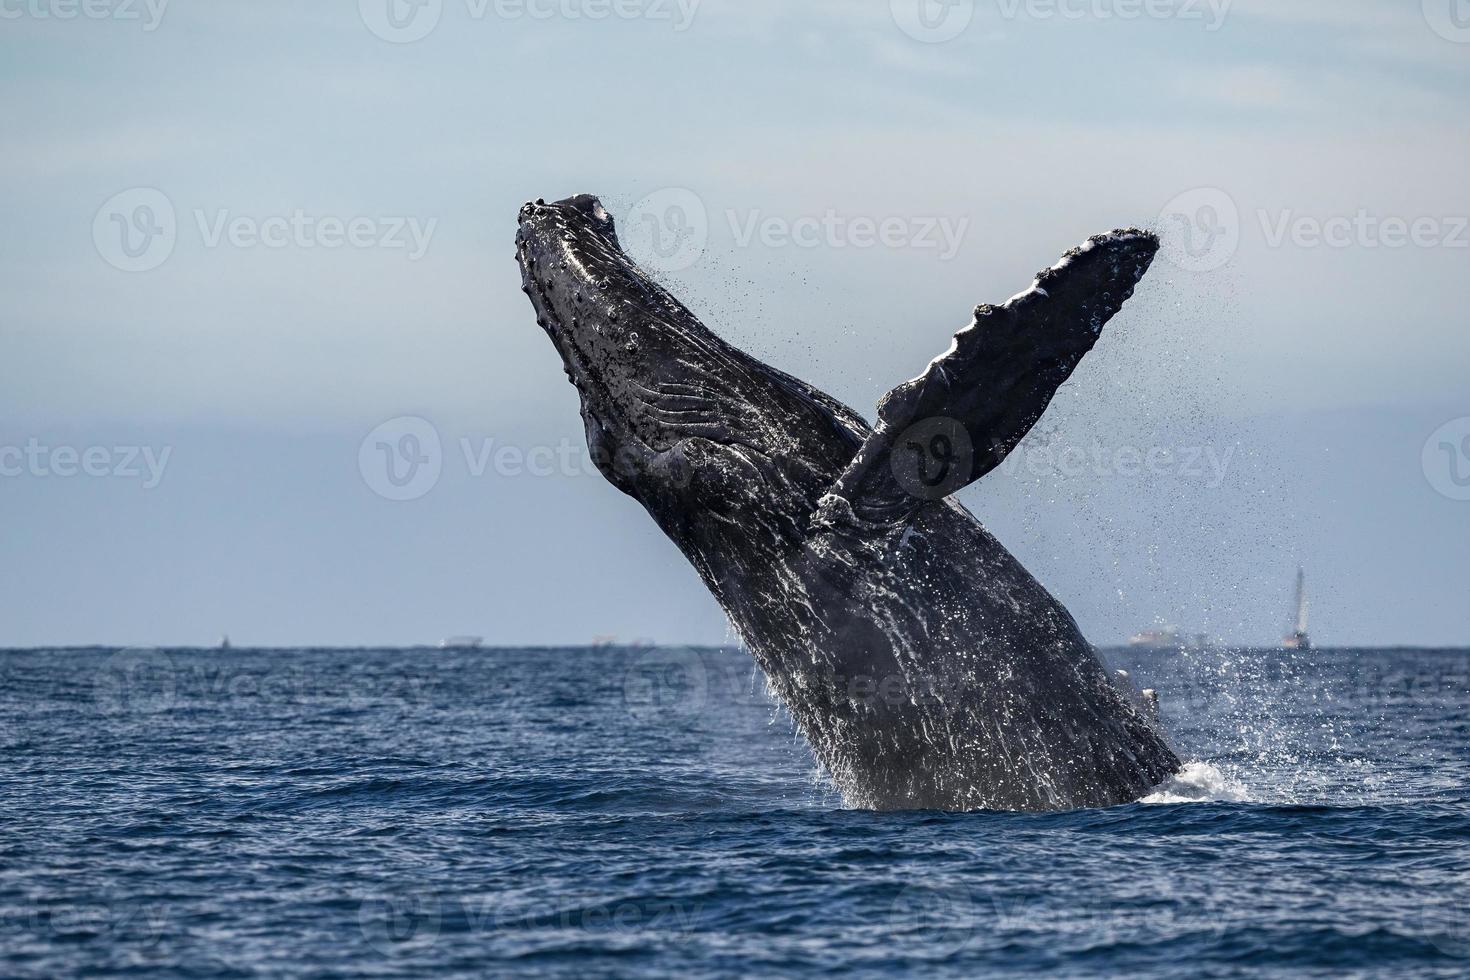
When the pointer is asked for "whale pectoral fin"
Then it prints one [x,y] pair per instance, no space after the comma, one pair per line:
[955,422]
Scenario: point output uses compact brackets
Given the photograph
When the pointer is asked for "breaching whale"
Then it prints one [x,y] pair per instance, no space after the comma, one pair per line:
[926,668]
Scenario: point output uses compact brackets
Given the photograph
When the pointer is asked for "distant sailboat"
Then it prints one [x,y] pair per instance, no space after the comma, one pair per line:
[1298,639]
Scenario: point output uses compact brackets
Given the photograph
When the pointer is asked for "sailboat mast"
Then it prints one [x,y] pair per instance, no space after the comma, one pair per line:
[1301,601]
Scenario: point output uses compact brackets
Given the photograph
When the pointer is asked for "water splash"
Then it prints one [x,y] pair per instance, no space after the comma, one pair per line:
[1200,782]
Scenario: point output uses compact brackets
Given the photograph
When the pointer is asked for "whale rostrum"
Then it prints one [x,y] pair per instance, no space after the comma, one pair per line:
[926,668]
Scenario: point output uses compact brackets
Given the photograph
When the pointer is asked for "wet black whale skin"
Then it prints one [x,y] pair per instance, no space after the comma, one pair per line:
[925,666]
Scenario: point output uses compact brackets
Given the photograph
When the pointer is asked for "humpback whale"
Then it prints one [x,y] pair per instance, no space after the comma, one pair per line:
[923,664]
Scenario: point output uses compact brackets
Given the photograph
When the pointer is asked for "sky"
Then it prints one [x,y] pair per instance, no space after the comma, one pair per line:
[265,368]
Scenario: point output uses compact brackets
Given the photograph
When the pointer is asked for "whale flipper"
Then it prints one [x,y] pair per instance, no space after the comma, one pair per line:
[955,422]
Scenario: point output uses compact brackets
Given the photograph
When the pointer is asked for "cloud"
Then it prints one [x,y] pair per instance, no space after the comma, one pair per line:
[1246,87]
[1393,31]
[1332,13]
[1317,96]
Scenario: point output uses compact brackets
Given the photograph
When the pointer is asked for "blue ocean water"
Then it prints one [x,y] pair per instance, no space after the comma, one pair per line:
[649,812]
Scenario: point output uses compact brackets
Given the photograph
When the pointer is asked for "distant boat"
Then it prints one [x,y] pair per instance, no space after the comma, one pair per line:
[1298,639]
[224,641]
[1169,638]
[607,641]
[1164,639]
[461,643]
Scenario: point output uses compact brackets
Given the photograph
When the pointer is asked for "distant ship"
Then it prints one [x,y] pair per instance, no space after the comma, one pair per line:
[1169,638]
[461,643]
[607,641]
[1164,639]
[1298,639]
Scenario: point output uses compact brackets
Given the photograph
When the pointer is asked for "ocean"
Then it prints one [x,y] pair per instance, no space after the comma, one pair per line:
[649,812]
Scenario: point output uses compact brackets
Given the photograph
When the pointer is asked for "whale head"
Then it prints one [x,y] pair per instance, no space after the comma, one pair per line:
[710,440]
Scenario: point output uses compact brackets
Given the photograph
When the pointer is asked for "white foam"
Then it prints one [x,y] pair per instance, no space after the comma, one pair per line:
[1200,782]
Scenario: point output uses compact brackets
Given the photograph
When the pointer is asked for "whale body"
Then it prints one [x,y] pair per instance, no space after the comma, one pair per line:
[924,665]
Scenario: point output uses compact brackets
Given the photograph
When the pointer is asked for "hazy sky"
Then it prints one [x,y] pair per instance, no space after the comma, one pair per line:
[244,242]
